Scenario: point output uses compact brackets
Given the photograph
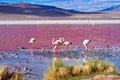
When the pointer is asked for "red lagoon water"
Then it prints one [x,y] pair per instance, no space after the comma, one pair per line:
[101,35]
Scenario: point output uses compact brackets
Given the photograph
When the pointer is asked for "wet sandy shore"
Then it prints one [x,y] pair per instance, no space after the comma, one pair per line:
[33,22]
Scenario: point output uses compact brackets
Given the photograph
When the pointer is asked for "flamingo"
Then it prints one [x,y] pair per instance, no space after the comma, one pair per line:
[32,40]
[57,43]
[85,43]
[91,23]
[67,43]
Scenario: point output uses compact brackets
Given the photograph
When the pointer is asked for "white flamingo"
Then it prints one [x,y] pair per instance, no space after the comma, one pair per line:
[32,40]
[85,43]
[67,43]
[91,23]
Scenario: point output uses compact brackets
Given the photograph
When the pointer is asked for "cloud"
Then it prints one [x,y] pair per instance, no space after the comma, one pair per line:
[85,5]
[79,5]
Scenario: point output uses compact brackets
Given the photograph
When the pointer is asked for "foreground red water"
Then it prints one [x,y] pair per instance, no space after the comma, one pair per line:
[101,35]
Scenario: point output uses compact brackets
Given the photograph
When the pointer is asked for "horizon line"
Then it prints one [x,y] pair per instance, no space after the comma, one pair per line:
[33,22]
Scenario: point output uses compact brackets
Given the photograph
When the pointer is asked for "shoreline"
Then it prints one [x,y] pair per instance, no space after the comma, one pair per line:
[36,22]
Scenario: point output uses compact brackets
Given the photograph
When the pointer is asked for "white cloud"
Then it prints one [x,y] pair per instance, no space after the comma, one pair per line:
[85,5]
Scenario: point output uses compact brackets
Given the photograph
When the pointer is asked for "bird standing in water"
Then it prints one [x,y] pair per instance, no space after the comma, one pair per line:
[32,40]
[66,43]
[85,43]
[56,44]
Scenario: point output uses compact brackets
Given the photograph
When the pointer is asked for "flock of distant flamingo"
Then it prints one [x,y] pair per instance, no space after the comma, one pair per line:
[59,42]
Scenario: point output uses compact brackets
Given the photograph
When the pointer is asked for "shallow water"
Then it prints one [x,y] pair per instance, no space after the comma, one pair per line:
[13,36]
[41,61]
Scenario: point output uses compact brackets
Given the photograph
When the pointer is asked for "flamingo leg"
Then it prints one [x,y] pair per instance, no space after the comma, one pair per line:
[67,47]
[57,51]
[54,48]
[86,48]
[66,53]
[32,50]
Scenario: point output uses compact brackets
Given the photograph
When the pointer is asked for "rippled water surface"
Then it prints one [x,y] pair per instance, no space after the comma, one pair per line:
[39,63]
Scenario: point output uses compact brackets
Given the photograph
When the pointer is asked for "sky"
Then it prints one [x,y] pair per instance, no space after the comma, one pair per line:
[79,5]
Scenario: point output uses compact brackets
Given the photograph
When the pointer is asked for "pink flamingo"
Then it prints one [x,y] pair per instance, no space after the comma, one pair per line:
[56,44]
[32,40]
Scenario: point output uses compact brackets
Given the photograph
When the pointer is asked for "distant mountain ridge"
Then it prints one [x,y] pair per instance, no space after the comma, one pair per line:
[34,9]
[44,10]
[112,8]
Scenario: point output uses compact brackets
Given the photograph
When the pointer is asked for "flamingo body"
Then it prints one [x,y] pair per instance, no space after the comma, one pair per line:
[57,42]
[32,40]
[67,43]
[86,41]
